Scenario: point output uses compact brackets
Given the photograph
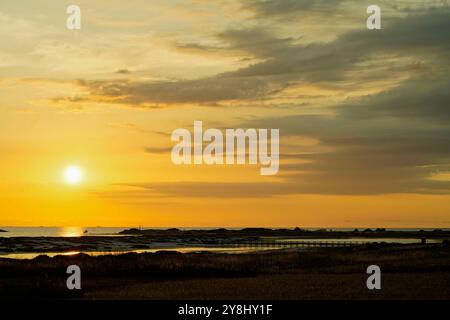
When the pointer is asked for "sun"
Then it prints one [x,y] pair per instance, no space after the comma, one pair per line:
[73,175]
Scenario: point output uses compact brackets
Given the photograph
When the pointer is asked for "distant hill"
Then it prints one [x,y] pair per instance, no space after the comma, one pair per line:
[3,230]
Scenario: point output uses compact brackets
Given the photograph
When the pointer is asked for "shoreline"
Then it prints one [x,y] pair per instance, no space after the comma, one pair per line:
[135,240]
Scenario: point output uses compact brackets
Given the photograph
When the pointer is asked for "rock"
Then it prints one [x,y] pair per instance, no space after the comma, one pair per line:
[131,231]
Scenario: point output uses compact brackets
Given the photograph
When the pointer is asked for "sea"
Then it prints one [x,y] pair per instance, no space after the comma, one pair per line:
[114,231]
[45,231]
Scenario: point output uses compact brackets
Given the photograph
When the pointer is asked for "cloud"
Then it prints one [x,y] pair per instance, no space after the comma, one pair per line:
[387,142]
[123,71]
[283,9]
[155,150]
[415,36]
[424,98]
[390,142]
[268,8]
[209,90]
[352,58]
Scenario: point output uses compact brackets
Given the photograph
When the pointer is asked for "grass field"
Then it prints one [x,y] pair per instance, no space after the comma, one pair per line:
[408,272]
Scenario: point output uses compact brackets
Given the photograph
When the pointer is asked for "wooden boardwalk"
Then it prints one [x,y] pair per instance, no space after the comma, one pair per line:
[290,244]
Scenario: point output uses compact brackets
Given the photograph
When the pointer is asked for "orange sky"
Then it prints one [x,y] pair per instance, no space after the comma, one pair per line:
[363,115]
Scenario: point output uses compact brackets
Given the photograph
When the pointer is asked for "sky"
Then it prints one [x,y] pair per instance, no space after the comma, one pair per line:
[363,114]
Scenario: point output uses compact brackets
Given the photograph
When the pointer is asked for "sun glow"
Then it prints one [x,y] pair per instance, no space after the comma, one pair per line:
[73,175]
[71,232]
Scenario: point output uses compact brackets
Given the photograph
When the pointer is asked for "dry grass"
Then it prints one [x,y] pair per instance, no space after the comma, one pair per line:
[408,272]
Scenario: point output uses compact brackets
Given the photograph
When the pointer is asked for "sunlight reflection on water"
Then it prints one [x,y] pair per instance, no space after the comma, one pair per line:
[103,253]
[71,232]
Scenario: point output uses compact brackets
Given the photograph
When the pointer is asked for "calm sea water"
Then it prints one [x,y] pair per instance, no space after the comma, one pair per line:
[113,231]
[186,249]
[57,231]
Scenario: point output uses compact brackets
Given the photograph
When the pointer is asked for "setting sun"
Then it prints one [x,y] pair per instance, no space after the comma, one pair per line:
[73,175]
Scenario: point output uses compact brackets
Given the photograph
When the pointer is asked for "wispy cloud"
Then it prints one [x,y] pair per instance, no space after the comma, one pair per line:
[352,58]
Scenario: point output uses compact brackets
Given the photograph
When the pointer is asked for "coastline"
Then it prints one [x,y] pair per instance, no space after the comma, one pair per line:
[319,273]
[213,264]
[151,240]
